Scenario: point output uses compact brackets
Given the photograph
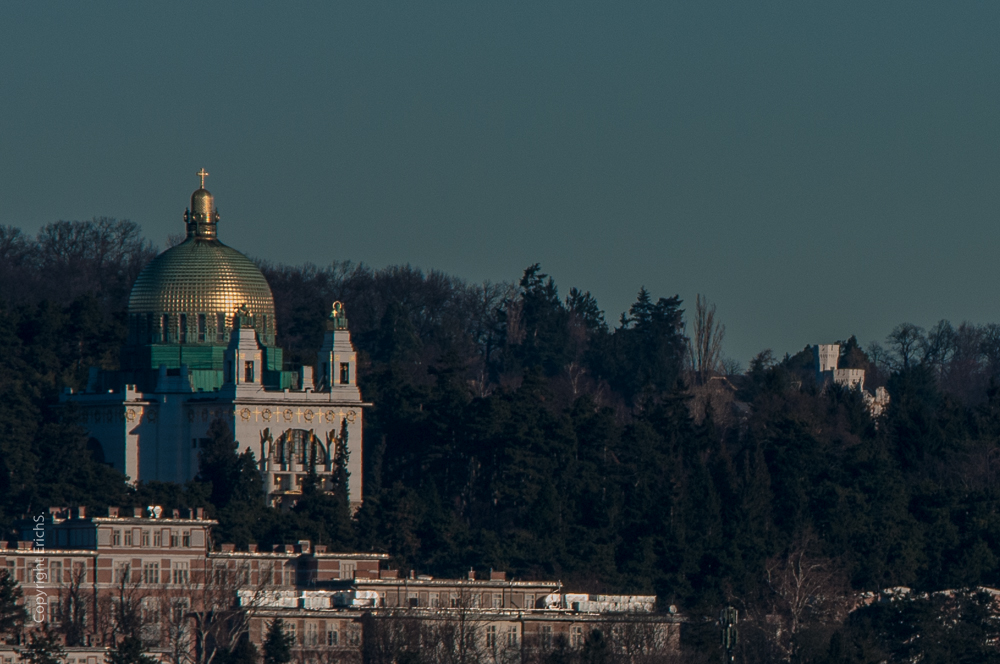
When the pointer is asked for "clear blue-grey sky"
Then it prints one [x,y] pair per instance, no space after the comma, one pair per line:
[816,169]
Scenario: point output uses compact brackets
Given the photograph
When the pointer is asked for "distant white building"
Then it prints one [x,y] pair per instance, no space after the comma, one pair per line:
[827,371]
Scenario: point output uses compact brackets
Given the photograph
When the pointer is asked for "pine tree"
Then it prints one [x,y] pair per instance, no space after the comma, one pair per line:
[278,644]
[12,614]
[44,648]
[128,651]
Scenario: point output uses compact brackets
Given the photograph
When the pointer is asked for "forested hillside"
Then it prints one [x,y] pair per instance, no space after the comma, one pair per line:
[515,427]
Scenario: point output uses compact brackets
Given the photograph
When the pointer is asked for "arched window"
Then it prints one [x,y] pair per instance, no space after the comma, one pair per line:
[300,446]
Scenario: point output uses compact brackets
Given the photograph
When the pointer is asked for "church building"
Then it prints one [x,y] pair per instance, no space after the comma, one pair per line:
[201,347]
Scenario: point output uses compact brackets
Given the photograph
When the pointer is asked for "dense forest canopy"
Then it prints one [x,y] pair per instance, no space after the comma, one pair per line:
[515,427]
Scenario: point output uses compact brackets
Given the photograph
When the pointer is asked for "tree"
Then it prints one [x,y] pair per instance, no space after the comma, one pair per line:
[12,614]
[73,603]
[222,603]
[906,341]
[44,648]
[278,644]
[705,345]
[326,516]
[128,651]
[219,464]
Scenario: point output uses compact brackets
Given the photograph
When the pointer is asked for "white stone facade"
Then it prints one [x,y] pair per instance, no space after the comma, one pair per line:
[158,435]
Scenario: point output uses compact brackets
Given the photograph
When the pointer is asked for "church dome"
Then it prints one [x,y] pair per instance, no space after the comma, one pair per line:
[201,276]
[190,292]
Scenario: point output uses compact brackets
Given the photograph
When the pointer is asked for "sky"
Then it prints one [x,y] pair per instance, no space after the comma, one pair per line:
[816,170]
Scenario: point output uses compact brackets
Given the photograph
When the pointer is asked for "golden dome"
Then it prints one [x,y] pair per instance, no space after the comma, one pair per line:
[202,276]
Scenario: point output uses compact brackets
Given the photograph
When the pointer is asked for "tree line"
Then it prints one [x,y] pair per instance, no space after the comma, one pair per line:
[518,428]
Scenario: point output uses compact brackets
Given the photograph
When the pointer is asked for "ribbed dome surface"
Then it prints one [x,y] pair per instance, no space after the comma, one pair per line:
[201,276]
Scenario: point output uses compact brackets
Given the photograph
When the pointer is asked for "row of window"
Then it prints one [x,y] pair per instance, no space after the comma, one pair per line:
[180,573]
[173,539]
[313,636]
[436,601]
[175,329]
[48,572]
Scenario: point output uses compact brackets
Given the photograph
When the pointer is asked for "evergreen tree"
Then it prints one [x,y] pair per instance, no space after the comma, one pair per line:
[278,644]
[128,651]
[12,614]
[43,648]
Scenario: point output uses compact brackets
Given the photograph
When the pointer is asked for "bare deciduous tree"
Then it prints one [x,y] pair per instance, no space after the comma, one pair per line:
[705,342]
[803,590]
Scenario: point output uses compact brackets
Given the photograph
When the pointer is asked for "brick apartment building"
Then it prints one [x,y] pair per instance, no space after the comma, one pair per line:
[88,575]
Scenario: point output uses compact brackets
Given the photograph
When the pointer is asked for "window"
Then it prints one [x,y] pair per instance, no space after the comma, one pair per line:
[145,538]
[576,637]
[529,601]
[181,573]
[491,636]
[184,328]
[56,572]
[248,372]
[116,538]
[546,636]
[354,636]
[174,539]
[435,602]
[150,616]
[497,601]
[202,327]
[150,573]
[186,539]
[150,610]
[512,635]
[164,328]
[332,637]
[345,373]
[79,572]
[290,627]
[220,327]
[128,538]
[312,634]
[454,601]
[158,538]
[121,571]
[347,570]
[179,606]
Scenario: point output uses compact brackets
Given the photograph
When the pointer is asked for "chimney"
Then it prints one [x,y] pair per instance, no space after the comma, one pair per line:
[199,513]
[252,548]
[137,512]
[23,545]
[498,576]
[113,512]
[319,548]
[228,548]
[80,512]
[388,574]
[175,514]
[289,548]
[305,546]
[472,574]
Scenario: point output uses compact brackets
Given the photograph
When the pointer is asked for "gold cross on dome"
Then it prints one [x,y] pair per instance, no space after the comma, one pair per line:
[202,174]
